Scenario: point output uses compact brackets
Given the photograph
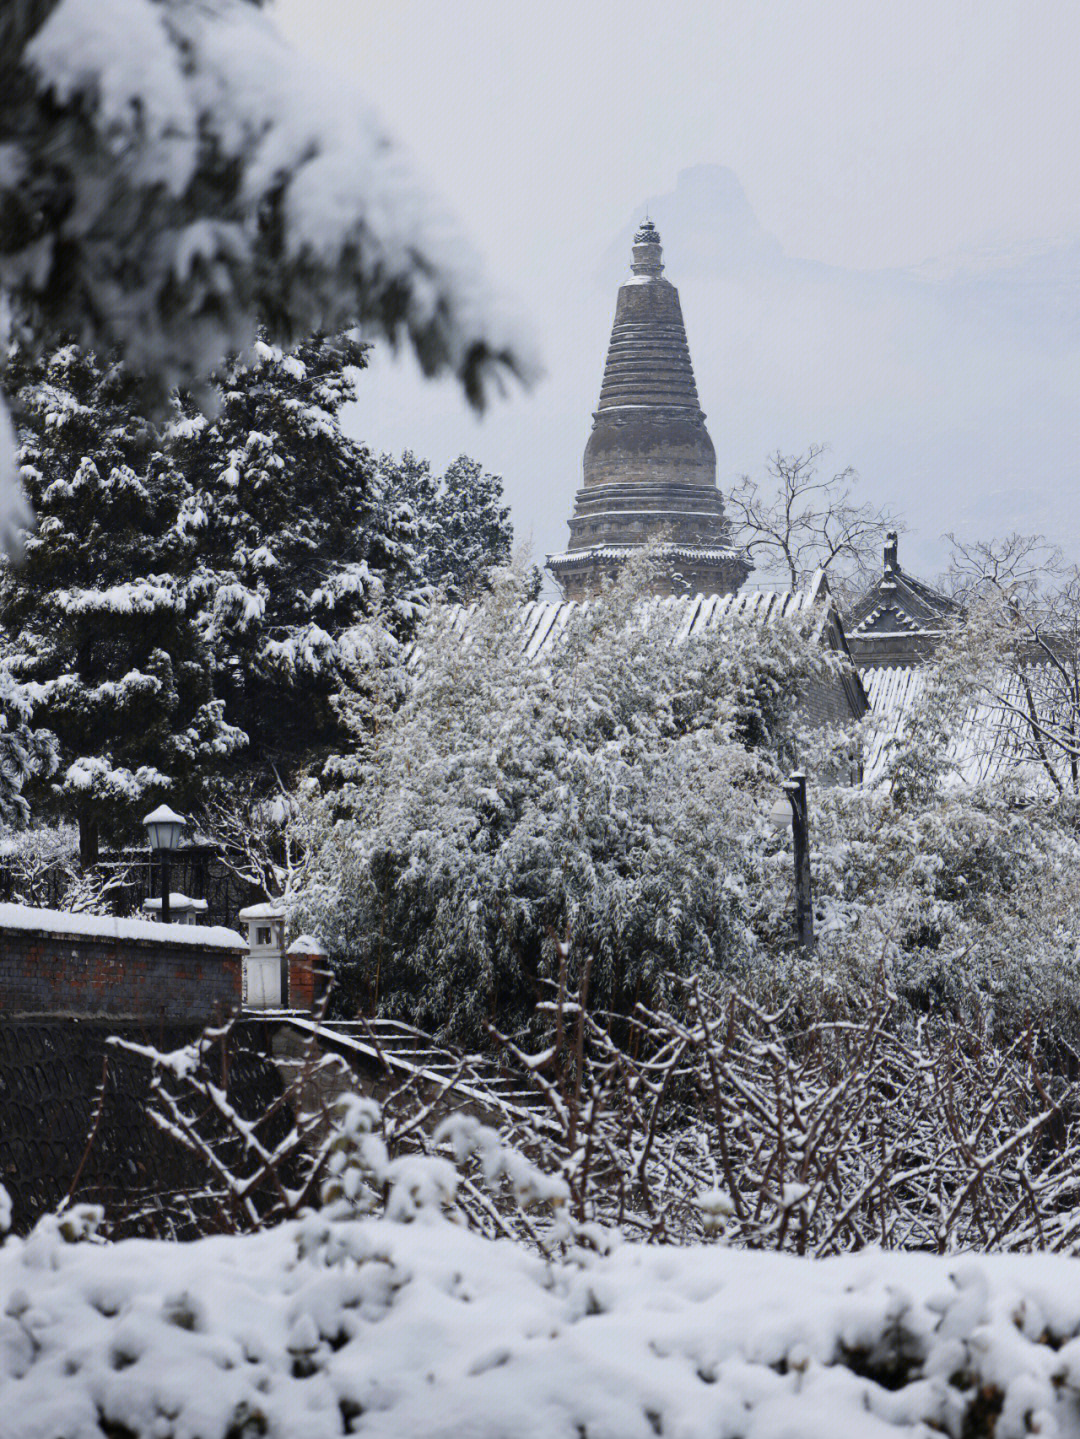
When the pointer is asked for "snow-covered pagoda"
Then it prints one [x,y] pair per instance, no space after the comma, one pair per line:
[650,466]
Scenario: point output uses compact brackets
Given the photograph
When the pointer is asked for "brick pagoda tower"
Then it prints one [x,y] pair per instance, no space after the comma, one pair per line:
[650,466]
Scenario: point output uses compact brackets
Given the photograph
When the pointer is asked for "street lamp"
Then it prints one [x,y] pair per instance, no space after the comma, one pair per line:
[792,810]
[164,826]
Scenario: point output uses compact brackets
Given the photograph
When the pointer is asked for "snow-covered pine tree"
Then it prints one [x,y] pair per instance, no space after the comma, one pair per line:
[463,528]
[97,616]
[174,175]
[303,566]
[25,751]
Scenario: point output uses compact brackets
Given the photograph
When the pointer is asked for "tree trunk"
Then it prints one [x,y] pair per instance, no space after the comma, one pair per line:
[88,841]
[22,19]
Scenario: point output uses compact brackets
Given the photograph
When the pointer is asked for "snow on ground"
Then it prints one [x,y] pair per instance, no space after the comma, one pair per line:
[425,1329]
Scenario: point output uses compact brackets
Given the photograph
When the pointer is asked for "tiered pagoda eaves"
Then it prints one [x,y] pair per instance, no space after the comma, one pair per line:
[650,466]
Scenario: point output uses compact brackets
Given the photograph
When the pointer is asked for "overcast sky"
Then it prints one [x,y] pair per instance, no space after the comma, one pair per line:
[923,156]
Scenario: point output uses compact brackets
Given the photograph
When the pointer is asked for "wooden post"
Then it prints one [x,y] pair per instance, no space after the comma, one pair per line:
[795,789]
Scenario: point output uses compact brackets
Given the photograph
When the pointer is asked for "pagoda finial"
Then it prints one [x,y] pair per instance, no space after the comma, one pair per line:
[647,251]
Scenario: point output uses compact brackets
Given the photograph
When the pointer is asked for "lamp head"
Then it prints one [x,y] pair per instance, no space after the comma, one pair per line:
[164,827]
[780,814]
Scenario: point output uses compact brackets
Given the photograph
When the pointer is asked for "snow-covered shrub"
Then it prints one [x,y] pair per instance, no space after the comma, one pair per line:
[964,897]
[320,1144]
[720,1121]
[728,1120]
[602,793]
[964,903]
[424,1330]
[40,867]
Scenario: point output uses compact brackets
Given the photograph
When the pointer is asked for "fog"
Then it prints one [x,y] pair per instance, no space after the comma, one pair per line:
[873,219]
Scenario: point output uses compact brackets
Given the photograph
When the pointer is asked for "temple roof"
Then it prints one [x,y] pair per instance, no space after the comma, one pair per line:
[899,619]
[908,603]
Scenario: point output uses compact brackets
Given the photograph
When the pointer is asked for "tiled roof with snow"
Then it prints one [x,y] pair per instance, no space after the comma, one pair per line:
[990,741]
[542,621]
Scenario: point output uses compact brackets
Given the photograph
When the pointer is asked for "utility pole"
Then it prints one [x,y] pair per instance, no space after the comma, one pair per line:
[795,789]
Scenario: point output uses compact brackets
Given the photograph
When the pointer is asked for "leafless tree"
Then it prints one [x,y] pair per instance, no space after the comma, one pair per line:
[1017,654]
[260,836]
[1019,568]
[799,521]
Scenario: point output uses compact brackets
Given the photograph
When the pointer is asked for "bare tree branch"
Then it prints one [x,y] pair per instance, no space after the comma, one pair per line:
[797,521]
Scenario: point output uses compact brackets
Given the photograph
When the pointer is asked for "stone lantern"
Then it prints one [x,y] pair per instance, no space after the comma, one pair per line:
[265,983]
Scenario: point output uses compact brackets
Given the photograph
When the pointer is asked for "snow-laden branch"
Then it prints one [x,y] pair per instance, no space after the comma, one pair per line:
[174,175]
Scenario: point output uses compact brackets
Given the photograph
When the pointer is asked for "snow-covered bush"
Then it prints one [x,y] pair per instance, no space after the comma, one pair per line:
[40,867]
[423,1330]
[966,904]
[773,1132]
[320,1144]
[719,1120]
[964,897]
[602,793]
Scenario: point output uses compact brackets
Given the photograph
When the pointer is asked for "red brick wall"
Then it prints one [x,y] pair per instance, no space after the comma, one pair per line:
[87,975]
[307,980]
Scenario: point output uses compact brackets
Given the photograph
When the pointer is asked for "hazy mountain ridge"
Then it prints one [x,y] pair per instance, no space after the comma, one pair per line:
[951,385]
[716,233]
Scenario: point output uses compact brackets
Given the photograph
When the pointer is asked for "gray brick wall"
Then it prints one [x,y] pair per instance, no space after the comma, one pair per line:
[90,976]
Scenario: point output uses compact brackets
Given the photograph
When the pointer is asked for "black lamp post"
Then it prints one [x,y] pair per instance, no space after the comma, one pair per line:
[164,827]
[795,791]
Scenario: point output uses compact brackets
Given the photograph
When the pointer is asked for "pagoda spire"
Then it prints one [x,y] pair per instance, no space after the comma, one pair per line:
[649,466]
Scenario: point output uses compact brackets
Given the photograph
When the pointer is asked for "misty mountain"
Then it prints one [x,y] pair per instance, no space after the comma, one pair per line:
[951,387]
